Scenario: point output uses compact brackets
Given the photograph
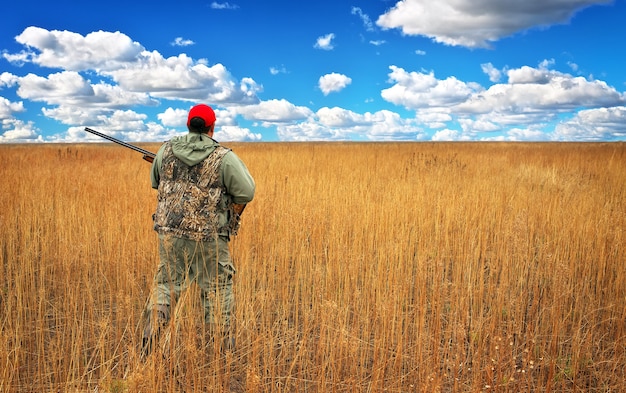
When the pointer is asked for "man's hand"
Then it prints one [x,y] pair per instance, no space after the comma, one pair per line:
[235,220]
[238,209]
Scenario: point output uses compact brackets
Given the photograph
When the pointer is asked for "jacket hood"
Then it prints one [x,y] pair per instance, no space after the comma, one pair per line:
[193,147]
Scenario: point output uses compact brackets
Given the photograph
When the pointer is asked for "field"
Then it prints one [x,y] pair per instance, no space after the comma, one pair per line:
[362,267]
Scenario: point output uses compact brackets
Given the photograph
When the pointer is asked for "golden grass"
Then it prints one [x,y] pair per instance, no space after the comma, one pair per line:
[362,267]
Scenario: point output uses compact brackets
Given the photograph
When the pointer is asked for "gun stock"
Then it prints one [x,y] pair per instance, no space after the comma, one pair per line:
[147,155]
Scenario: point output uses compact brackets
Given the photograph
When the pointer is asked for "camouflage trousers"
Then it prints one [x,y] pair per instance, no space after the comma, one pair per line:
[208,264]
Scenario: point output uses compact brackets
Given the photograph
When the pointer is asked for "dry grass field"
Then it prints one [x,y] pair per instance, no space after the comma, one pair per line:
[362,267]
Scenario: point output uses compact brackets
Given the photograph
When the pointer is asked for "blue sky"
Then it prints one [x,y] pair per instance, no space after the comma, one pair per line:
[278,70]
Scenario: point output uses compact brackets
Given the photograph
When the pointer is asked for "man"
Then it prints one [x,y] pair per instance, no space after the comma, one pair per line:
[203,189]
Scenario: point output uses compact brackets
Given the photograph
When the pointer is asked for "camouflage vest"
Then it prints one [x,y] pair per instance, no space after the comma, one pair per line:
[190,199]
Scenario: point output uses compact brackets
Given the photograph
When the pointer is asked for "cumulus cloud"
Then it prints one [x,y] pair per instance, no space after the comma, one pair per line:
[527,103]
[114,90]
[74,100]
[8,108]
[333,82]
[17,131]
[325,42]
[434,118]
[106,74]
[173,117]
[134,69]
[339,117]
[473,23]
[100,50]
[236,134]
[179,77]
[71,89]
[124,120]
[448,135]
[274,111]
[530,90]
[8,80]
[309,131]
[336,124]
[415,90]
[594,124]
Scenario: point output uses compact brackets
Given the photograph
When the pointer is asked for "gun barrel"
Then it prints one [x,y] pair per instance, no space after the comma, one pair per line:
[146,153]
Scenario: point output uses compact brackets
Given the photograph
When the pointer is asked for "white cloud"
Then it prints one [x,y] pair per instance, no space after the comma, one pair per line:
[333,82]
[309,131]
[17,131]
[104,90]
[334,124]
[481,124]
[530,91]
[99,50]
[135,70]
[18,59]
[68,88]
[528,74]
[473,23]
[573,66]
[179,77]
[594,124]
[434,117]
[325,42]
[68,114]
[367,22]
[62,87]
[123,121]
[278,70]
[235,134]
[173,117]
[530,133]
[149,132]
[530,102]
[415,90]
[387,125]
[8,80]
[179,41]
[448,135]
[7,108]
[339,117]
[491,71]
[223,6]
[274,111]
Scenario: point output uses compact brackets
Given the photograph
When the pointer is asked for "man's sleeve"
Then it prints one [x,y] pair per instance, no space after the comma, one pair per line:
[237,179]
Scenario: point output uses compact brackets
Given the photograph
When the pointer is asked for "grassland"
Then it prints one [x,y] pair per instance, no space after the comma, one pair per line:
[373,267]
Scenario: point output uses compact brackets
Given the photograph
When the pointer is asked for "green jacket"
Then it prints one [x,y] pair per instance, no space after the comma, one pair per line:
[192,148]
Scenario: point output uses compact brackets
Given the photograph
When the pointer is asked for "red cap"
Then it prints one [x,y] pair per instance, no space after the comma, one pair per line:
[203,111]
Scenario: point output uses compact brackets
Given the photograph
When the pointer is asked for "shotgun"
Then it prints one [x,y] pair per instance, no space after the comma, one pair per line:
[147,155]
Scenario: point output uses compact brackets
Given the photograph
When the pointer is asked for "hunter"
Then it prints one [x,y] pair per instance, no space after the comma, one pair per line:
[203,188]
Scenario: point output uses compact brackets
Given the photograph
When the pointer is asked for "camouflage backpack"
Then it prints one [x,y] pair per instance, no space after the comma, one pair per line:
[191,199]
